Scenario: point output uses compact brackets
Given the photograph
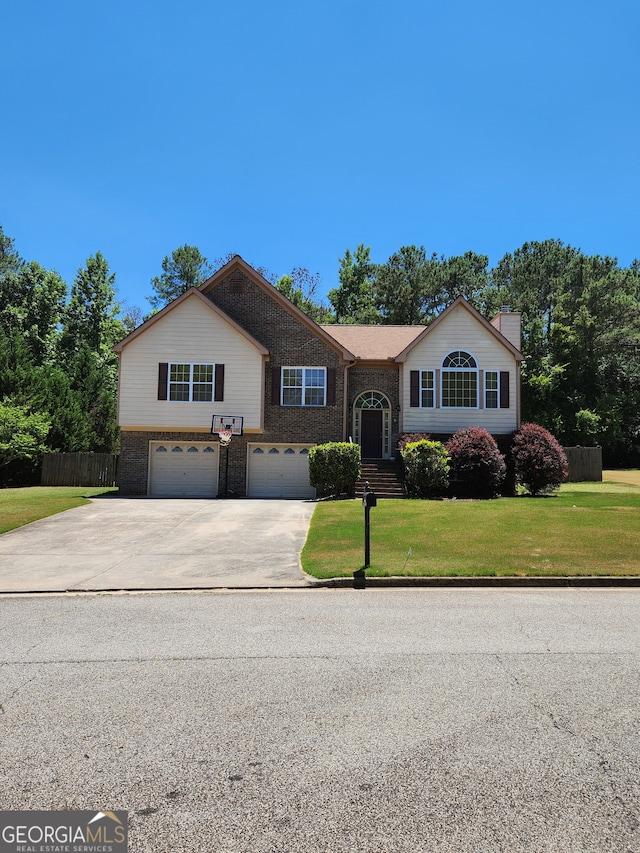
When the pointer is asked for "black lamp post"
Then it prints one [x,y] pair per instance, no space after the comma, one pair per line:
[368,500]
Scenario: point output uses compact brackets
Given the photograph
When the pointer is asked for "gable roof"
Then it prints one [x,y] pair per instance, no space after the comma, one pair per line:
[374,343]
[461,302]
[394,343]
[188,294]
[240,265]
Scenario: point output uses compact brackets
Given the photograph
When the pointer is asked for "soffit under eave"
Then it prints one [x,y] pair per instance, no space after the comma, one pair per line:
[388,363]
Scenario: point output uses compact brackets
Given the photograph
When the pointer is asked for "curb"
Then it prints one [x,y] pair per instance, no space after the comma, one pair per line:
[409,582]
[349,583]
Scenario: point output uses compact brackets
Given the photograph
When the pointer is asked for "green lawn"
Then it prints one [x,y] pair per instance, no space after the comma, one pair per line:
[585,529]
[21,506]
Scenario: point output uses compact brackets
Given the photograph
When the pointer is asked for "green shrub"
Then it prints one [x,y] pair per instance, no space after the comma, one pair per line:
[411,437]
[477,465]
[334,468]
[426,468]
[587,427]
[540,463]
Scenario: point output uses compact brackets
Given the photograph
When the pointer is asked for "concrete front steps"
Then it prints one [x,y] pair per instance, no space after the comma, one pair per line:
[384,477]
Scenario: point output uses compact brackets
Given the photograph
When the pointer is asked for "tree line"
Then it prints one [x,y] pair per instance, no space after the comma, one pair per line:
[58,373]
[580,325]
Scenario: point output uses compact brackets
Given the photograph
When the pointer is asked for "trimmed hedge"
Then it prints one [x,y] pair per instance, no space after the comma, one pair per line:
[426,468]
[540,463]
[478,467]
[334,468]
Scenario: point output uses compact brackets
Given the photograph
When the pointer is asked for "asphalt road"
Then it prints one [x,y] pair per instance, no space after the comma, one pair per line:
[384,721]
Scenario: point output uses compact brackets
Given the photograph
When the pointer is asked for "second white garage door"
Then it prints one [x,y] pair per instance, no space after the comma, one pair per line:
[279,471]
[183,469]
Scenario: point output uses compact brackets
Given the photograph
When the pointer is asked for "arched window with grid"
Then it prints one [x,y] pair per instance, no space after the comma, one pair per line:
[459,380]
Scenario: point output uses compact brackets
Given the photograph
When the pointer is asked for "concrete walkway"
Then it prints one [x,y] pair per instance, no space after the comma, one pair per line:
[153,543]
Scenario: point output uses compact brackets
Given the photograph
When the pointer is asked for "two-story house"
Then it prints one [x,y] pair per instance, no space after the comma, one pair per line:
[237,348]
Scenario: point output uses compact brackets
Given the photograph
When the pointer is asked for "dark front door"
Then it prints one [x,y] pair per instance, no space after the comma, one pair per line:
[371,432]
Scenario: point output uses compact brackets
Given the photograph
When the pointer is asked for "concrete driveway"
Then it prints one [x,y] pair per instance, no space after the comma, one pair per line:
[153,543]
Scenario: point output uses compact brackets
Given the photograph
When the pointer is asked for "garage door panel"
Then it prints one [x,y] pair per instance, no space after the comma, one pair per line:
[279,471]
[183,469]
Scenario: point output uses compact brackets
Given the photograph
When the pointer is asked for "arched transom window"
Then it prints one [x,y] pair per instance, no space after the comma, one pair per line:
[459,358]
[459,380]
[371,400]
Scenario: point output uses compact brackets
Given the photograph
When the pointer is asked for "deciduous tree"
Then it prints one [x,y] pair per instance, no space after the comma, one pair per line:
[301,288]
[22,433]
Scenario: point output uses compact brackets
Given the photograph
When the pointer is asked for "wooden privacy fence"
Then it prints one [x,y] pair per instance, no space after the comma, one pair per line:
[79,469]
[585,464]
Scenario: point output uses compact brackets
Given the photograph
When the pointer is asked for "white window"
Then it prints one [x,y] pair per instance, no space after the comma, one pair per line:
[491,389]
[460,381]
[304,386]
[427,389]
[191,383]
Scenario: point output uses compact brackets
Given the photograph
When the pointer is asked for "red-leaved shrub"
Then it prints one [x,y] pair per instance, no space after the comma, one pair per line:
[540,463]
[477,466]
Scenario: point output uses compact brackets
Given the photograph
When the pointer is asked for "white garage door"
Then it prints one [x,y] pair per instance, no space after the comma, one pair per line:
[183,469]
[279,471]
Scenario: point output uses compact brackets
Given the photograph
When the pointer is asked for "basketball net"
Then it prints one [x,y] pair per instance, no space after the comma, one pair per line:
[225,436]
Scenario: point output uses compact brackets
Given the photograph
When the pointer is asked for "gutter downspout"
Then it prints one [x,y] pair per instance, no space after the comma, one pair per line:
[345,400]
[518,383]
[400,400]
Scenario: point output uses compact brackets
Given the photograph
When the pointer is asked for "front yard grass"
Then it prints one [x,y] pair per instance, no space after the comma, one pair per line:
[584,529]
[21,506]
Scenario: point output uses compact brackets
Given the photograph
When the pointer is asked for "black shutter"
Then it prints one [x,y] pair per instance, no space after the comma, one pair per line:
[331,386]
[275,386]
[163,375]
[218,394]
[414,389]
[504,389]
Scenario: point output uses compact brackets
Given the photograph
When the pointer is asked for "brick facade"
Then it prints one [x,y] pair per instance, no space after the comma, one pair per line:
[291,343]
[386,379]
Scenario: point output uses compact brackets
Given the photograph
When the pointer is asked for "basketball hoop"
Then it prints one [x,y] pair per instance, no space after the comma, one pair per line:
[224,436]
[222,425]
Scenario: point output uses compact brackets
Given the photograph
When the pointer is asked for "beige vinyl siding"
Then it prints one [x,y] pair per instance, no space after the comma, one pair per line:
[190,333]
[459,331]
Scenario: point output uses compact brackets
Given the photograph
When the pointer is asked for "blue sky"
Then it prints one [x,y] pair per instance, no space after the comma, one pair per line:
[287,132]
